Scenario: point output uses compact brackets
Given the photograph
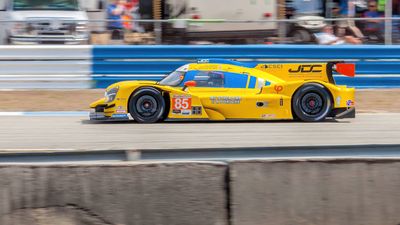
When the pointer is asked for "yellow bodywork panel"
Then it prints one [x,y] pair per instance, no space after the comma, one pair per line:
[299,71]
[262,92]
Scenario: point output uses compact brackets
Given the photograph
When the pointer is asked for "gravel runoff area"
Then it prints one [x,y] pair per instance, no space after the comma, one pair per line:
[367,100]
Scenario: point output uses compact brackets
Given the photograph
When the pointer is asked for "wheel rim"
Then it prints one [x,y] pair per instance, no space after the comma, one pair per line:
[300,36]
[312,104]
[146,106]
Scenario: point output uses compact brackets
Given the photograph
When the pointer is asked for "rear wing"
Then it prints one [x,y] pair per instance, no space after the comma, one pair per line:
[308,71]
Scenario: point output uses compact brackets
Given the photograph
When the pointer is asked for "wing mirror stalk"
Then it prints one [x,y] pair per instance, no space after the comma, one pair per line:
[191,83]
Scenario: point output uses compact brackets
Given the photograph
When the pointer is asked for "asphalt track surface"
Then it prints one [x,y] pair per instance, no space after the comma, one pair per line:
[72,132]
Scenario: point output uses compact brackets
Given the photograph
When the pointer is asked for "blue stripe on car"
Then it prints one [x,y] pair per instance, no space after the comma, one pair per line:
[252,83]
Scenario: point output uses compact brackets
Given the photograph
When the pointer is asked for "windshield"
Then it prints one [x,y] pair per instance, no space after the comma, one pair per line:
[71,5]
[173,79]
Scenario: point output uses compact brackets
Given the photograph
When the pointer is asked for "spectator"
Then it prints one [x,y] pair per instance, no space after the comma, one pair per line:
[308,7]
[115,11]
[132,13]
[344,7]
[326,37]
[372,25]
[127,17]
[136,15]
[345,27]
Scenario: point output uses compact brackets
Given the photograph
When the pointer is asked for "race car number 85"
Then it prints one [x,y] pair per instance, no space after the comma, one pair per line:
[182,103]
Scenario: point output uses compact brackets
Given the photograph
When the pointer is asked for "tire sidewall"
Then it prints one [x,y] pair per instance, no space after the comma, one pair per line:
[160,105]
[312,88]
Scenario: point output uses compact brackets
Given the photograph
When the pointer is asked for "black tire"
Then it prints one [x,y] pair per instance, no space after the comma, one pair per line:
[147,105]
[311,103]
[301,36]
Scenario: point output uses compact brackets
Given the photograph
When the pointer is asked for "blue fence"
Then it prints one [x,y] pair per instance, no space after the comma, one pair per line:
[376,66]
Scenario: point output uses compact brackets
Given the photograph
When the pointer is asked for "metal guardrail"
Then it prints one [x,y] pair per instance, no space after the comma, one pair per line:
[247,52]
[45,52]
[81,66]
[218,154]
[376,65]
[45,66]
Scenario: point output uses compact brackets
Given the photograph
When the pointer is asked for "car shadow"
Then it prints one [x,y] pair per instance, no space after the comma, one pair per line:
[107,122]
[331,120]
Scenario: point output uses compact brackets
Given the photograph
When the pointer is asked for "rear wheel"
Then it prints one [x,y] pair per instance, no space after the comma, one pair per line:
[312,103]
[147,106]
[301,36]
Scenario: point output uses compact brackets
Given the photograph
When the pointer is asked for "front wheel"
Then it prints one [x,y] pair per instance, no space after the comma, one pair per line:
[312,103]
[147,105]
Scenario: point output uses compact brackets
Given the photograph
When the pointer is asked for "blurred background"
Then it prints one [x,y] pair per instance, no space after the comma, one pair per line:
[58,56]
[199,22]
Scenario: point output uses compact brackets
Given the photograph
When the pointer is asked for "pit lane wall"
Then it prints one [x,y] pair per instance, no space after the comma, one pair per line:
[304,192]
[298,191]
[134,193]
[60,66]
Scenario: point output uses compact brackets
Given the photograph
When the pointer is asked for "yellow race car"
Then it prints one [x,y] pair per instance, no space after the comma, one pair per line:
[218,89]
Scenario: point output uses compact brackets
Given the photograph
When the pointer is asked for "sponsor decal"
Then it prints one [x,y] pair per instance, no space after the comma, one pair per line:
[306,69]
[281,102]
[210,67]
[338,100]
[203,61]
[268,116]
[176,111]
[278,88]
[225,100]
[119,116]
[349,103]
[196,110]
[273,66]
[120,110]
[181,102]
[186,112]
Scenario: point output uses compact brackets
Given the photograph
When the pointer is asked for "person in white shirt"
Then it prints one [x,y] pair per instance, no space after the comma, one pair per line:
[327,37]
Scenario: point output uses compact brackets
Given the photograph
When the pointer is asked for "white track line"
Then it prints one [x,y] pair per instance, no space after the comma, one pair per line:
[11,113]
[52,113]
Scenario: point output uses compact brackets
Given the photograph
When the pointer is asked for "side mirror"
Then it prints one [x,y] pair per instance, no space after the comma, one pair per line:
[191,83]
[261,83]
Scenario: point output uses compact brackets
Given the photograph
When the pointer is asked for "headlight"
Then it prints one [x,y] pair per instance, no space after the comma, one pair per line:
[111,94]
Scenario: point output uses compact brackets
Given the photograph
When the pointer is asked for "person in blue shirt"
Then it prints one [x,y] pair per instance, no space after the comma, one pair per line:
[313,7]
[373,28]
[114,12]
[372,25]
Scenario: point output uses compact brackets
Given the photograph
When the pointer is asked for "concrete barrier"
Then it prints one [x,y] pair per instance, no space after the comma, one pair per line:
[329,192]
[180,193]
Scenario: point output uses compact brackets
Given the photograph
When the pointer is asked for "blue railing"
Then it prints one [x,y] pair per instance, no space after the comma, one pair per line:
[376,66]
